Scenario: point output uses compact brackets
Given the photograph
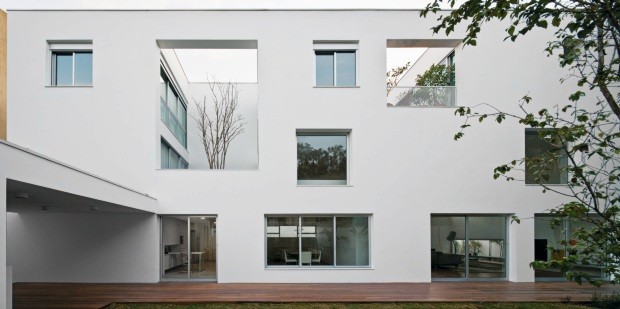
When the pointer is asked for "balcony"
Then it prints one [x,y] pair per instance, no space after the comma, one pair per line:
[422,96]
[171,121]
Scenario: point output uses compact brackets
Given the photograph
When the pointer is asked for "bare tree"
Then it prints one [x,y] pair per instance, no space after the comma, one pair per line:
[219,125]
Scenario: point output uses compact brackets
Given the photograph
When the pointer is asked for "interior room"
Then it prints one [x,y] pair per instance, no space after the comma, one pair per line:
[548,246]
[188,248]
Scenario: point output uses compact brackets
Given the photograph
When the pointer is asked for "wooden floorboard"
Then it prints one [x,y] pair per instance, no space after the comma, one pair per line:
[95,295]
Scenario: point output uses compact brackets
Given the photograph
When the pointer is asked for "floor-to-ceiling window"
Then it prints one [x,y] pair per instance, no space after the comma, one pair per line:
[317,241]
[552,241]
[188,248]
[468,247]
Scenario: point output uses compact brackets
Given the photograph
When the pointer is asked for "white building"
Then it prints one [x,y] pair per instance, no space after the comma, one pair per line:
[93,104]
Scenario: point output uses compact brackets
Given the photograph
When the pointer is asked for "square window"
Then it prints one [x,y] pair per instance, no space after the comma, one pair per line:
[335,64]
[72,68]
[322,158]
[335,68]
[545,161]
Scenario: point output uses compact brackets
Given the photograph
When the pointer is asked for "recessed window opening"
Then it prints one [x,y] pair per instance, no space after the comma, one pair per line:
[421,73]
[209,101]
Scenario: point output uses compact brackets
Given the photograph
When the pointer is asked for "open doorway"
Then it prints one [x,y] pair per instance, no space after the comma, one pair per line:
[188,248]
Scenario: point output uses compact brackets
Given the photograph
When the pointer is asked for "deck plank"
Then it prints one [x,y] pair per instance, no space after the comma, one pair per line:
[96,295]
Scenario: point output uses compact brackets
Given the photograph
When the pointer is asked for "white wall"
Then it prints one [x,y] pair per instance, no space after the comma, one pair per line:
[82,247]
[404,164]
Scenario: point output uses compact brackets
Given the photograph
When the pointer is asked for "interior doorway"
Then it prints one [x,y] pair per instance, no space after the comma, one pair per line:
[189,248]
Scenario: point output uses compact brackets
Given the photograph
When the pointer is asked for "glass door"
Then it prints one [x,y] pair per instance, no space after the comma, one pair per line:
[468,247]
[189,248]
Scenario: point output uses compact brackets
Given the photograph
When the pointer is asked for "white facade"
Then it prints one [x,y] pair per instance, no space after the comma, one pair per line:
[403,162]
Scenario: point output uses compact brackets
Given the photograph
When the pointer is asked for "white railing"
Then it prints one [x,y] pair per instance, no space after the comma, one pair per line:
[173,123]
[422,96]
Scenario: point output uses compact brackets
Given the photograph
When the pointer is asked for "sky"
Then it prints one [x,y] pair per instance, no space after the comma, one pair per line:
[211,4]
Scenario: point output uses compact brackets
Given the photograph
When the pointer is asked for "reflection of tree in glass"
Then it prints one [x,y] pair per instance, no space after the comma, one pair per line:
[321,164]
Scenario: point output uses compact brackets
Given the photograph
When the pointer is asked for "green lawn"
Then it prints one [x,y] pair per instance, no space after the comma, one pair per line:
[356,306]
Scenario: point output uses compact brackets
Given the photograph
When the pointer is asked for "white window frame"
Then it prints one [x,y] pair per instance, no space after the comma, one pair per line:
[299,266]
[326,132]
[336,46]
[73,47]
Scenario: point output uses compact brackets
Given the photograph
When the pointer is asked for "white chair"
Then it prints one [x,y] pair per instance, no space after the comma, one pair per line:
[286,258]
[306,257]
[316,257]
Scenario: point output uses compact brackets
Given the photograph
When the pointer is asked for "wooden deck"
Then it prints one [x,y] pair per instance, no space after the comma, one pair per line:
[69,295]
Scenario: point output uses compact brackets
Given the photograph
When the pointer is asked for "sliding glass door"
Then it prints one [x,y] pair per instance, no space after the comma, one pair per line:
[467,247]
[188,248]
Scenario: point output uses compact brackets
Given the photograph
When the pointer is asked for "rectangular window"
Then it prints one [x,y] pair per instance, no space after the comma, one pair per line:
[545,158]
[310,241]
[335,68]
[172,108]
[322,158]
[170,159]
[335,65]
[72,68]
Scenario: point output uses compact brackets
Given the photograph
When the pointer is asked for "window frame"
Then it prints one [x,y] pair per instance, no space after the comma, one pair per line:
[326,47]
[325,132]
[172,85]
[334,245]
[170,149]
[73,48]
[563,177]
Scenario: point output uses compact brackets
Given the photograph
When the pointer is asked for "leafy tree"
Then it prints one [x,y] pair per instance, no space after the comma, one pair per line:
[584,130]
[436,75]
[394,74]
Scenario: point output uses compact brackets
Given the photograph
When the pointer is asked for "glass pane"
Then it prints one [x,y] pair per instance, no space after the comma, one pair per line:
[487,243]
[352,247]
[536,147]
[64,69]
[592,267]
[174,160]
[324,68]
[547,246]
[282,241]
[163,87]
[164,156]
[317,241]
[83,69]
[447,247]
[202,248]
[322,159]
[175,258]
[172,99]
[345,69]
